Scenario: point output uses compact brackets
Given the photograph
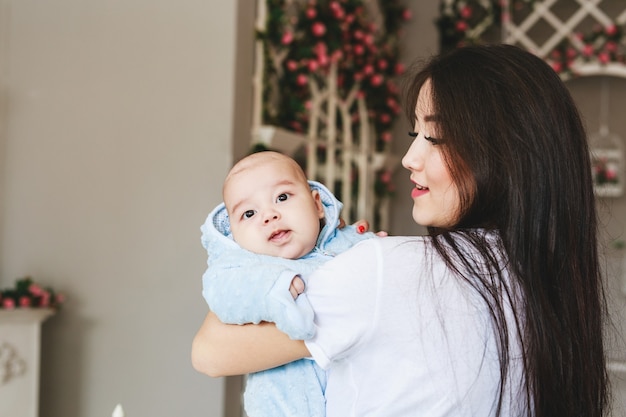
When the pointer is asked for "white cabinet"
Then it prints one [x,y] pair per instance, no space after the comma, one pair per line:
[20,337]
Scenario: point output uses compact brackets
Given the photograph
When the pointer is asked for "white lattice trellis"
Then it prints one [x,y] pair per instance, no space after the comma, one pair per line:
[607,150]
[479,28]
[343,151]
[564,28]
[346,156]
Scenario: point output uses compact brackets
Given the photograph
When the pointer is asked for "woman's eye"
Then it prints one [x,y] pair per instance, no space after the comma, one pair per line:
[428,138]
[247,214]
[433,140]
[282,197]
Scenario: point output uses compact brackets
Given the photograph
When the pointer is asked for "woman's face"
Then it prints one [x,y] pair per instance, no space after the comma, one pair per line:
[436,199]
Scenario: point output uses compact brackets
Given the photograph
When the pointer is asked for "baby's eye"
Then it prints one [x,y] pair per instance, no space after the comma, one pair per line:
[247,214]
[282,197]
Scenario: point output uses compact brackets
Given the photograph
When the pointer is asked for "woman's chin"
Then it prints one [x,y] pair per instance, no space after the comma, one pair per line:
[419,218]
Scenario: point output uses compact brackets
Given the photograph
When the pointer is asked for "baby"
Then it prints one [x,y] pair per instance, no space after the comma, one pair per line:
[272,230]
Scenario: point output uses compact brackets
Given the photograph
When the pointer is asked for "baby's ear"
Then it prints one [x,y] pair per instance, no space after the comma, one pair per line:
[318,203]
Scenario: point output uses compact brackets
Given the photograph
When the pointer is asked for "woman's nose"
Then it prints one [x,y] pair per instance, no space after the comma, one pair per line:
[413,159]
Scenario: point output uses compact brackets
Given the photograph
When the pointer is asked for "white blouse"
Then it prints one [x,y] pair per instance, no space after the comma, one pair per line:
[401,336]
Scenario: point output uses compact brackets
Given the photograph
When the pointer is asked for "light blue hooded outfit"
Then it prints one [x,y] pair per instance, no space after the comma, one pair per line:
[244,287]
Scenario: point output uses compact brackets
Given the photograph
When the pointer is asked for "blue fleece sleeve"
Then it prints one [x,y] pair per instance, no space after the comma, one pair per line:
[254,288]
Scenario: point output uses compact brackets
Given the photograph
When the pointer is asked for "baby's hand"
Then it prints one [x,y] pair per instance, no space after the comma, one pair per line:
[297,287]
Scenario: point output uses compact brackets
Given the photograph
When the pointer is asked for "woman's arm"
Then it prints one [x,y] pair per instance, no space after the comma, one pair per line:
[225,349]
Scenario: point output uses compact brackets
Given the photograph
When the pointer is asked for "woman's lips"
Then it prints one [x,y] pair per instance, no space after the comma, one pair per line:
[418,191]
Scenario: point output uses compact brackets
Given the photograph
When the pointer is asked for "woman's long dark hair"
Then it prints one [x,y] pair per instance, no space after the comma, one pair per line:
[517,149]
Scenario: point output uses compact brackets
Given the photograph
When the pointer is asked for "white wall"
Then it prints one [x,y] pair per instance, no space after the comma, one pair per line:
[115,135]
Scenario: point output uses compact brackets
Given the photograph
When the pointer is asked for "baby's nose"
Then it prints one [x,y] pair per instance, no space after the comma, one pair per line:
[269,216]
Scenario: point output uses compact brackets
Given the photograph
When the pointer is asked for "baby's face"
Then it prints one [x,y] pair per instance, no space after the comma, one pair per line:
[273,211]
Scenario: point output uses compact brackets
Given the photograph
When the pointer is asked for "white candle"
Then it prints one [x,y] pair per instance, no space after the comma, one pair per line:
[118,412]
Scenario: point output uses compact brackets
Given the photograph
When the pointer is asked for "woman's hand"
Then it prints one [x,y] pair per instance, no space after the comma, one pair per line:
[363,226]
[226,349]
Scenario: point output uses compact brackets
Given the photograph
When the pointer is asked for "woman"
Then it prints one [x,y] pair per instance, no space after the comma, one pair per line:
[499,311]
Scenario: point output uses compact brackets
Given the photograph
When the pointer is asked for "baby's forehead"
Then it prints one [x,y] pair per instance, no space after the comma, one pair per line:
[267,174]
[270,164]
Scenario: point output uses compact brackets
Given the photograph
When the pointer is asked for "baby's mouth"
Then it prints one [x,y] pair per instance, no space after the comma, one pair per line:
[279,234]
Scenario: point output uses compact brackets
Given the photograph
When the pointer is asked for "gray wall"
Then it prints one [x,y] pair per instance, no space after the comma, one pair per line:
[587,92]
[116,133]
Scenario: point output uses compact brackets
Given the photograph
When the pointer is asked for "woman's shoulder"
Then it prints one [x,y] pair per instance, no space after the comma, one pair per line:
[391,242]
[411,252]
[386,246]
[367,256]
[465,240]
